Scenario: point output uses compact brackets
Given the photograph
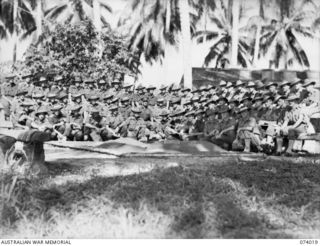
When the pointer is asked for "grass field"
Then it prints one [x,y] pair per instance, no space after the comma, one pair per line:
[194,198]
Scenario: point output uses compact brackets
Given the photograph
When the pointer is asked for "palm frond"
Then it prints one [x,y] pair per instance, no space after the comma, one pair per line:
[266,40]
[216,49]
[297,49]
[305,31]
[54,12]
[106,7]
[25,35]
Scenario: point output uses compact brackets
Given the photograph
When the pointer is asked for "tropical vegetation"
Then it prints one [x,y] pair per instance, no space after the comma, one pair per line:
[152,26]
[73,50]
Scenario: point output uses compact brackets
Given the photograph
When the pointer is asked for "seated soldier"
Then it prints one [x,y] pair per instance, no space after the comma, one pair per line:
[199,121]
[58,122]
[74,124]
[227,130]
[248,134]
[93,126]
[24,117]
[41,122]
[136,127]
[295,124]
[111,124]
[272,123]
[168,126]
[211,124]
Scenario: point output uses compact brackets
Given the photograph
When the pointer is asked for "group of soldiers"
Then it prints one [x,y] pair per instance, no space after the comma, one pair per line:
[244,116]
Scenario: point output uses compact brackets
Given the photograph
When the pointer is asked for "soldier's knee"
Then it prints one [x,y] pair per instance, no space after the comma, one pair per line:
[78,136]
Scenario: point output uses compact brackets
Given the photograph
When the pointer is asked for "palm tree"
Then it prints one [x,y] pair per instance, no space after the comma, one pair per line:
[15,19]
[221,51]
[153,25]
[280,38]
[3,30]
[235,32]
[78,10]
[255,26]
[186,42]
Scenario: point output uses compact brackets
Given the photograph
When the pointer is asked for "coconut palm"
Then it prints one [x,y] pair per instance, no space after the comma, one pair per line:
[221,50]
[280,38]
[256,26]
[154,25]
[3,30]
[78,10]
[16,19]
[151,26]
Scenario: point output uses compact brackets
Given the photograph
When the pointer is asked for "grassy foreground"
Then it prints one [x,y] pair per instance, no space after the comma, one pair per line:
[198,198]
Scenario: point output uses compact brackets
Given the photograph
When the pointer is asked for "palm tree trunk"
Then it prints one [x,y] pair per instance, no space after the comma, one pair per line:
[235,33]
[96,15]
[257,45]
[168,16]
[258,33]
[186,42]
[39,14]
[15,30]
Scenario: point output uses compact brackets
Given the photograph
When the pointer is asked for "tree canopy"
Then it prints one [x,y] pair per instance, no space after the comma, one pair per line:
[75,50]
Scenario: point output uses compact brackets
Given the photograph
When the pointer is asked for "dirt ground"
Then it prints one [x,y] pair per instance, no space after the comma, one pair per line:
[172,197]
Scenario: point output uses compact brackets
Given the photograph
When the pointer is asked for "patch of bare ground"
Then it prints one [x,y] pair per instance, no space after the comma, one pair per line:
[167,198]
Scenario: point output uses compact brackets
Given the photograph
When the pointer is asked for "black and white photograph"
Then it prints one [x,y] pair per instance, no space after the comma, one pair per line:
[159,119]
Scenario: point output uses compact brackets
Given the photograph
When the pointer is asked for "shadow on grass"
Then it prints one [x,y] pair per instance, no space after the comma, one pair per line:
[293,185]
[185,194]
[204,202]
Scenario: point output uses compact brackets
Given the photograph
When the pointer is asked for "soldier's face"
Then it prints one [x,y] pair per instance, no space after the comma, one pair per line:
[273,88]
[78,100]
[116,86]
[244,114]
[281,102]
[292,103]
[286,88]
[41,116]
[225,115]
[309,87]
[57,112]
[77,84]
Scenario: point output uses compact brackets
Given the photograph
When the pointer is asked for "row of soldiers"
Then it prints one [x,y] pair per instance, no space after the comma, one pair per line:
[252,116]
